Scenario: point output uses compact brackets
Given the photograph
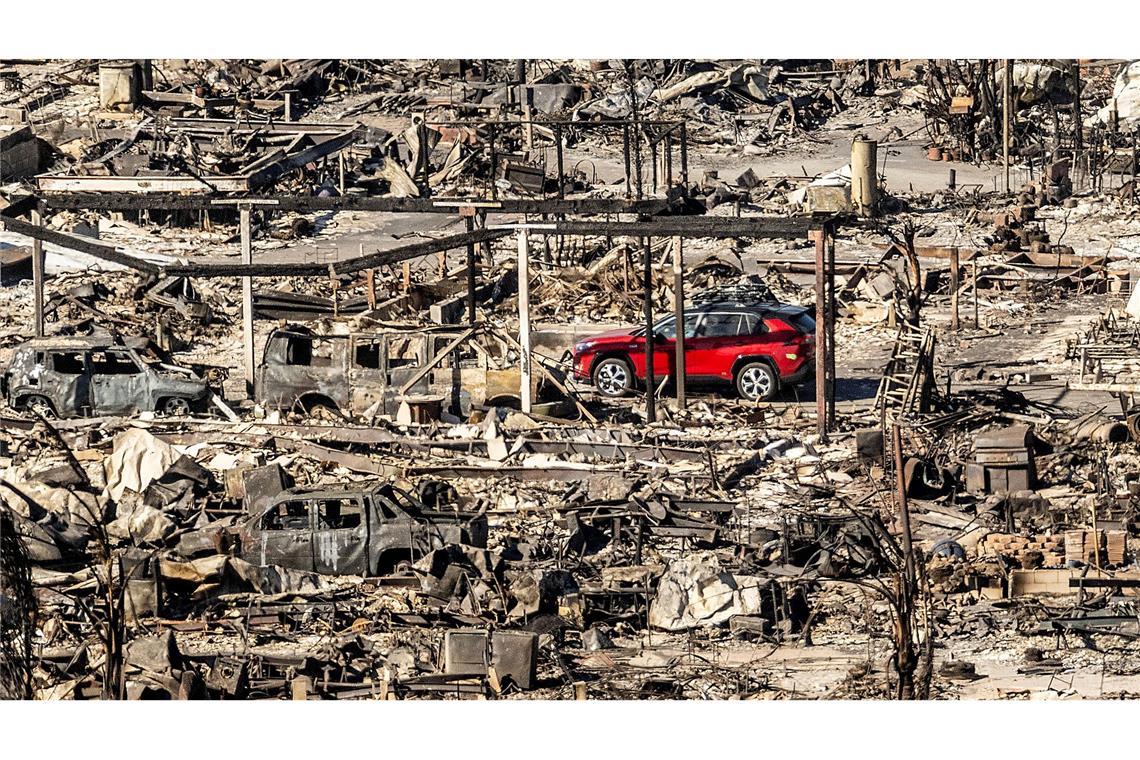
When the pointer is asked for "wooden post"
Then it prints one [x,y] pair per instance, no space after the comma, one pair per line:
[679,317]
[247,301]
[820,238]
[524,320]
[407,279]
[38,276]
[340,172]
[1006,106]
[955,282]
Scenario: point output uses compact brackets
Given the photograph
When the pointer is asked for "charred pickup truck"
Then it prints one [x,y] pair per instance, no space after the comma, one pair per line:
[78,376]
[375,530]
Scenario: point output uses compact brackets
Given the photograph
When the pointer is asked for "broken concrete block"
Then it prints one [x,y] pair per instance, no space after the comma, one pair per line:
[695,592]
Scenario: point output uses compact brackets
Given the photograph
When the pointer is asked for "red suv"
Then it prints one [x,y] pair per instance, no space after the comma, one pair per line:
[758,348]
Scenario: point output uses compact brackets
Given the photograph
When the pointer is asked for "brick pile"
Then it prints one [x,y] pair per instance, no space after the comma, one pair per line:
[1079,546]
[1022,549]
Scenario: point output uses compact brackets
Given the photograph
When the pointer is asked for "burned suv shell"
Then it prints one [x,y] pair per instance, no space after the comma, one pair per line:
[357,373]
[368,530]
[74,376]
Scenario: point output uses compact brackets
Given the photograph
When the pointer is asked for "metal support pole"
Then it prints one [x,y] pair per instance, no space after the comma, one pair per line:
[955,283]
[425,163]
[647,304]
[684,155]
[653,165]
[977,322]
[561,170]
[247,301]
[1078,137]
[679,318]
[524,320]
[830,386]
[469,218]
[819,236]
[1006,107]
[38,276]
[625,155]
[1134,146]
[494,161]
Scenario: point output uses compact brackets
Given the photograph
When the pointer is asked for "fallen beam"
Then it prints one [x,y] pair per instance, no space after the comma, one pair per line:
[79,243]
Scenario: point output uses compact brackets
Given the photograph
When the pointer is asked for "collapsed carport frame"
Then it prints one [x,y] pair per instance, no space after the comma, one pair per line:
[646,228]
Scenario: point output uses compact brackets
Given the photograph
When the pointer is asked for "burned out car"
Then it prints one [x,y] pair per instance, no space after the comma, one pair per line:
[372,529]
[355,374]
[82,376]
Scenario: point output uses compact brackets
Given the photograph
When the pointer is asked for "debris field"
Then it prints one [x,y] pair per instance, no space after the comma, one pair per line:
[569,379]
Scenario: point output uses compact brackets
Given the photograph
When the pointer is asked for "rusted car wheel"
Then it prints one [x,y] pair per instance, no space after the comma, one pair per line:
[39,406]
[175,407]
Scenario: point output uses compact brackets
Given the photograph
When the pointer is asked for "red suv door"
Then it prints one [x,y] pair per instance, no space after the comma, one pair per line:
[715,344]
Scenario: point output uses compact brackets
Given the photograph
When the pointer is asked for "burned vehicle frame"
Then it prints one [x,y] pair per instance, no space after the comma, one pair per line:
[90,376]
[369,373]
[365,529]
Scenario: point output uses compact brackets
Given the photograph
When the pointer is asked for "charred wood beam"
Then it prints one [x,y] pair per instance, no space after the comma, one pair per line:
[706,227]
[177,202]
[347,266]
[79,243]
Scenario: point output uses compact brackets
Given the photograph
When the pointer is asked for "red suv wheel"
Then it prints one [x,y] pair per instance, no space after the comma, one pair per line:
[756,381]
